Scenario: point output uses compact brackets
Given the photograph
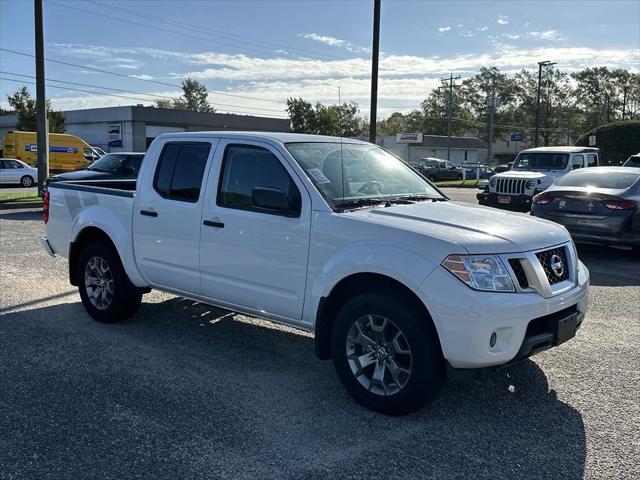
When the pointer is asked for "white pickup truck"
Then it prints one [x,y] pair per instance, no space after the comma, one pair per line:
[399,284]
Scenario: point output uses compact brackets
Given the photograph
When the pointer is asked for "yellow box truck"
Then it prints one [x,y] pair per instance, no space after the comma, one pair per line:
[66,152]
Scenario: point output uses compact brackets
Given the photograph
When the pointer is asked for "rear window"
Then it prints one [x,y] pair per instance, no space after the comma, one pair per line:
[615,180]
[633,161]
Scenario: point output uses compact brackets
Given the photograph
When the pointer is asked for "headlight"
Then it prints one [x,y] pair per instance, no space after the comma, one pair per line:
[530,184]
[480,272]
[493,182]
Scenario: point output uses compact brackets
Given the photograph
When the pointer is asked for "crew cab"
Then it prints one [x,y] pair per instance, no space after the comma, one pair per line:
[400,285]
[533,171]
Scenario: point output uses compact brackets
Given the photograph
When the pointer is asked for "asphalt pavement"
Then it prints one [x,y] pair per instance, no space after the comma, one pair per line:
[184,390]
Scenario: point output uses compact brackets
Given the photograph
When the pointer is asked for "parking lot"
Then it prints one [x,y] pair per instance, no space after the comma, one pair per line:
[184,390]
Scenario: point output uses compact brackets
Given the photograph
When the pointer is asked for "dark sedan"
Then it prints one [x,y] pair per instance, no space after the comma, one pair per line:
[112,166]
[597,205]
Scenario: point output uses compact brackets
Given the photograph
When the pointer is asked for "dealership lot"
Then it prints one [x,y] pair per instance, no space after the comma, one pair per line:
[183,390]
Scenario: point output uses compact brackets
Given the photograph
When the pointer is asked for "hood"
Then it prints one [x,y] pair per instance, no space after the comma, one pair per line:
[476,229]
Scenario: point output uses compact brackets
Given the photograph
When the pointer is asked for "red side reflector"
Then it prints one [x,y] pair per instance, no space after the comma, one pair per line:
[542,199]
[620,204]
[45,207]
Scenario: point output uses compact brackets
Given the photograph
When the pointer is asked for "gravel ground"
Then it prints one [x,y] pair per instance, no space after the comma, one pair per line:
[183,390]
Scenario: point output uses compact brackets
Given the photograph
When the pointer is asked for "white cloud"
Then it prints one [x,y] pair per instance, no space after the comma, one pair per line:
[547,35]
[334,42]
[444,29]
[143,76]
[483,29]
[503,20]
[511,36]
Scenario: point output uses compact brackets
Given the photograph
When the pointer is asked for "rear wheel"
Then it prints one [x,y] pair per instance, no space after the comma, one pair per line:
[106,291]
[26,181]
[386,354]
[432,177]
[459,176]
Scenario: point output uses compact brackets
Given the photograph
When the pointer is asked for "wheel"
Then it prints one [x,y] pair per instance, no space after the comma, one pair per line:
[459,176]
[432,177]
[105,290]
[386,353]
[26,181]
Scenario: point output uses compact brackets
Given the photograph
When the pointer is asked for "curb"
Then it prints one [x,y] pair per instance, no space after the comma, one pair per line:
[19,205]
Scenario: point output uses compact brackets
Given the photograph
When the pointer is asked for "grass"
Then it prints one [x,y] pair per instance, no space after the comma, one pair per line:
[18,197]
[457,183]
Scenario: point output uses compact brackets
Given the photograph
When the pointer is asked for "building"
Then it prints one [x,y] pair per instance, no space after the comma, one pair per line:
[133,128]
[464,150]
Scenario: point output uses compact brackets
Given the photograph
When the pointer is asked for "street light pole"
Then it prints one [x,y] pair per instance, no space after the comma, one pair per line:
[373,114]
[450,80]
[42,130]
[546,63]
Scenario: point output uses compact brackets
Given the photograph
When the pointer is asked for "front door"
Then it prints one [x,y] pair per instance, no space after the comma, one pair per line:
[253,257]
[10,171]
[168,215]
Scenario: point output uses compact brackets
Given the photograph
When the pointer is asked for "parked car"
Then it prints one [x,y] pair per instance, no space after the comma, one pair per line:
[485,172]
[534,170]
[632,161]
[597,205]
[503,168]
[16,172]
[398,283]
[437,170]
[125,165]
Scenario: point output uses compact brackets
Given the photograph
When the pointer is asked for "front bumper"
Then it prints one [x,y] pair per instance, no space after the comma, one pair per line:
[466,319]
[517,202]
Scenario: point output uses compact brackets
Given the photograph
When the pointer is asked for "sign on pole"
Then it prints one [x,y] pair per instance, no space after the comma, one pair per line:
[592,140]
[517,137]
[409,138]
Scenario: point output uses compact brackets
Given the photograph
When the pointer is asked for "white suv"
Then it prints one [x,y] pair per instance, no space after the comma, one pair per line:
[533,171]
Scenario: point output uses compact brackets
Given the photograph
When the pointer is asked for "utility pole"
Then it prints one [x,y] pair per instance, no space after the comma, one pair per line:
[546,63]
[624,100]
[491,101]
[42,127]
[373,115]
[450,80]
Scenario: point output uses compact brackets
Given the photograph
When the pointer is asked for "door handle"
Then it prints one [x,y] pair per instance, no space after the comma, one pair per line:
[211,223]
[148,213]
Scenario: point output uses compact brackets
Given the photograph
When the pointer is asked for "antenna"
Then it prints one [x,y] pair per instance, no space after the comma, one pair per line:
[341,134]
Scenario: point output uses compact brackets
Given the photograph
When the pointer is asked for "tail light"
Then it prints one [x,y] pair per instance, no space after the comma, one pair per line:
[542,199]
[45,206]
[620,204]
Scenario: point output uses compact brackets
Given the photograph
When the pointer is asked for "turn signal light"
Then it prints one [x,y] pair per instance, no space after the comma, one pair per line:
[542,199]
[620,204]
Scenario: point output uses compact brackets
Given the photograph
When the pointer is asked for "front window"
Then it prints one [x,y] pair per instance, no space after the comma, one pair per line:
[541,161]
[117,163]
[348,173]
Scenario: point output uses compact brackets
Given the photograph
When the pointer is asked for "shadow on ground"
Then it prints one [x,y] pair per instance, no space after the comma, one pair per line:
[610,267]
[184,390]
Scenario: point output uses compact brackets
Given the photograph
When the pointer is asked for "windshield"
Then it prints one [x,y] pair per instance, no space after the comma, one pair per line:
[591,179]
[117,163]
[348,173]
[541,161]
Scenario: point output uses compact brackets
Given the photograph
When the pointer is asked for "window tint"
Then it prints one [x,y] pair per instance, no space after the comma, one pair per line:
[577,161]
[595,179]
[180,170]
[248,167]
[11,164]
[592,160]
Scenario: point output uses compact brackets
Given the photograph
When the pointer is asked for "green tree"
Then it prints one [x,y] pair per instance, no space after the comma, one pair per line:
[336,120]
[194,98]
[25,107]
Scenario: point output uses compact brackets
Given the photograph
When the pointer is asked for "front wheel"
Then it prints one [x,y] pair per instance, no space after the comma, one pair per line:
[385,353]
[459,176]
[106,291]
[26,181]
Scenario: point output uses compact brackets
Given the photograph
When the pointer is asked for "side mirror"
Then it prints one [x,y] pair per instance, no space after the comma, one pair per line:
[275,200]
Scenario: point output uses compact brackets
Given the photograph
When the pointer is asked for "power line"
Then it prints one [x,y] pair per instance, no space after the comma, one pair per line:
[122,75]
[106,94]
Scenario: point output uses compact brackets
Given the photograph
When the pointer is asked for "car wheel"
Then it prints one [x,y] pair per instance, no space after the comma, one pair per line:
[459,177]
[386,353]
[432,177]
[26,181]
[106,291]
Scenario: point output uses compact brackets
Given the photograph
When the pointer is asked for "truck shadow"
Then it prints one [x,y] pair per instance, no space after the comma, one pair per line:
[185,390]
[610,267]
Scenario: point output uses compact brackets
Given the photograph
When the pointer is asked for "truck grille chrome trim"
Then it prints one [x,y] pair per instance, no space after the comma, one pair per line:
[548,271]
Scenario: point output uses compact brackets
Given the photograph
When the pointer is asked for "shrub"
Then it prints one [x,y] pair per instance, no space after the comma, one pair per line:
[616,141]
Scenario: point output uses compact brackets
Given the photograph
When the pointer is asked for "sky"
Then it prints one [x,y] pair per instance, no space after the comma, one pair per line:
[253,55]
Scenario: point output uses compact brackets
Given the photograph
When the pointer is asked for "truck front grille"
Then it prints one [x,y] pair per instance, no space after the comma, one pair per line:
[555,264]
[519,272]
[510,186]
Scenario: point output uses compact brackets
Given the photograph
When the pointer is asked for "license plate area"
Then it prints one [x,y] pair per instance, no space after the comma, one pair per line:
[566,328]
[504,199]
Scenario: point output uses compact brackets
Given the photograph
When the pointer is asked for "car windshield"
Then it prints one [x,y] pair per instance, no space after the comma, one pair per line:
[633,162]
[117,163]
[591,179]
[541,161]
[358,174]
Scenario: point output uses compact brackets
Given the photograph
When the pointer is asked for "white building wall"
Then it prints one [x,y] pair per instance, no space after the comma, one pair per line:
[97,134]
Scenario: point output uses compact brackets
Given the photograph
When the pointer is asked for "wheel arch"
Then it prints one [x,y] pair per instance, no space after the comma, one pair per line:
[347,288]
[86,236]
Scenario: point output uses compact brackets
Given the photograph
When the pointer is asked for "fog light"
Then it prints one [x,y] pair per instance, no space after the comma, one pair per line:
[492,340]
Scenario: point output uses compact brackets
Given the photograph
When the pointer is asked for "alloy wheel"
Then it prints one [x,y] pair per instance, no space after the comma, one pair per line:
[98,282]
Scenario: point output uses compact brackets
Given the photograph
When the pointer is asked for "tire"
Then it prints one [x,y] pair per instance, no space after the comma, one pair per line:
[27,181]
[432,177]
[458,177]
[108,305]
[403,392]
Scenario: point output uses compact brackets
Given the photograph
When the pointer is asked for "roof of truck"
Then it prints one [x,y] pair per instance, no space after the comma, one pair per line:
[277,136]
[574,149]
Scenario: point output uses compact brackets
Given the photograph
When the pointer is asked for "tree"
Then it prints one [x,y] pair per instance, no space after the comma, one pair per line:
[616,141]
[25,107]
[336,120]
[194,98]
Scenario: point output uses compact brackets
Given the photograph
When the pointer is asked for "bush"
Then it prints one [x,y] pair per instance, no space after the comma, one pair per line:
[616,141]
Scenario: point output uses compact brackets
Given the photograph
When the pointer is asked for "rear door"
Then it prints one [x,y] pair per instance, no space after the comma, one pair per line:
[3,174]
[168,215]
[252,257]
[577,161]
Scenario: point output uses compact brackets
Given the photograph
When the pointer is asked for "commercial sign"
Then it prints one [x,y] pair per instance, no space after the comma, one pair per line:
[409,138]
[115,135]
[32,147]
[517,137]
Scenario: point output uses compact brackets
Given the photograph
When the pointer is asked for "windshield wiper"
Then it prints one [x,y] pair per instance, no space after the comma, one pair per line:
[413,199]
[359,203]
